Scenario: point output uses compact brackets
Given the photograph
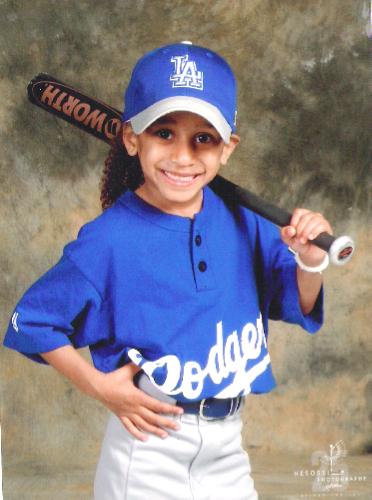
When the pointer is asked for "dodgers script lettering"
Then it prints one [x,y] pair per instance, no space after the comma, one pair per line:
[225,358]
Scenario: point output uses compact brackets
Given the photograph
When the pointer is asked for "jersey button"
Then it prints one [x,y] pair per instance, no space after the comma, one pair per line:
[202,266]
[198,240]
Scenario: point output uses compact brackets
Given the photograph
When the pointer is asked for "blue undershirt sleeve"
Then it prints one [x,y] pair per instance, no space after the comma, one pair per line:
[61,308]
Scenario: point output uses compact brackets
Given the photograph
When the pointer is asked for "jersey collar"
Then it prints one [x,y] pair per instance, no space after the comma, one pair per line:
[168,221]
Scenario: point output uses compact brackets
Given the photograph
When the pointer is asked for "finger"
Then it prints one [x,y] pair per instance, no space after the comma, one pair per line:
[296,216]
[314,228]
[292,242]
[160,420]
[144,425]
[133,430]
[157,406]
[129,369]
[288,233]
[305,225]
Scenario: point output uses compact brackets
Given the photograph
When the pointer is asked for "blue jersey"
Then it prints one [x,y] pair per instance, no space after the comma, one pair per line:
[188,300]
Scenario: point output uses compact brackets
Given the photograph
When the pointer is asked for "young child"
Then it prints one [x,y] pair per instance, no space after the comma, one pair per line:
[172,289]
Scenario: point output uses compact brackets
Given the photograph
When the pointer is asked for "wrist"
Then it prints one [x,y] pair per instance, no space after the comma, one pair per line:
[97,385]
[319,267]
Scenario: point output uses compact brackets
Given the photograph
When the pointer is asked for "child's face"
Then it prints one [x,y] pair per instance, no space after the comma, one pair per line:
[179,153]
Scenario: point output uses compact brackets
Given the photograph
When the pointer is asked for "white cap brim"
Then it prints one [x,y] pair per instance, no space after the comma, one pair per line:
[202,108]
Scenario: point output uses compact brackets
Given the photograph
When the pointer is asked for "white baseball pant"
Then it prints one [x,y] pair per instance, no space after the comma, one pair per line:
[204,460]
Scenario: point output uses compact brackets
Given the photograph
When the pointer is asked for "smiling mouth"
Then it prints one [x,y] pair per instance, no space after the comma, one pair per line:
[179,180]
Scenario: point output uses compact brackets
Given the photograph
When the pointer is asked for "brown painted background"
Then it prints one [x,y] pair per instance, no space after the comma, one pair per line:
[304,118]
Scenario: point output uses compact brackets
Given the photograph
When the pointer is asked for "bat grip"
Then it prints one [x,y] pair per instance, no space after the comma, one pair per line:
[340,249]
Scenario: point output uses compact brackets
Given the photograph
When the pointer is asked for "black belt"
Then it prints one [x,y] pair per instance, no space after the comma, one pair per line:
[212,408]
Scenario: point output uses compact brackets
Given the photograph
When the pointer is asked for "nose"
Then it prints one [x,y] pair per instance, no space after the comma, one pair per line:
[182,152]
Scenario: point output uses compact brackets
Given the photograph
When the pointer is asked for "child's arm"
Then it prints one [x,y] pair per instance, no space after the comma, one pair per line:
[138,412]
[305,226]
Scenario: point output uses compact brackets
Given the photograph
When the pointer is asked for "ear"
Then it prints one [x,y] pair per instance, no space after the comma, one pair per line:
[229,148]
[129,139]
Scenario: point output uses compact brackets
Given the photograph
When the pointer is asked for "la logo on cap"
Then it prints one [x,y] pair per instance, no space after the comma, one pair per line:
[186,73]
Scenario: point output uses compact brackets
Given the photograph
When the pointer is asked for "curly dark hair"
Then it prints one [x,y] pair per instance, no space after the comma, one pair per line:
[120,173]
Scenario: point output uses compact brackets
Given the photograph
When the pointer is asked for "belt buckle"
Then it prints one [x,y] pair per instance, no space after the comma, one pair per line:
[233,409]
[201,408]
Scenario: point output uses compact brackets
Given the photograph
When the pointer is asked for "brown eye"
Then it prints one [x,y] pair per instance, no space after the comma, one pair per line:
[164,133]
[204,138]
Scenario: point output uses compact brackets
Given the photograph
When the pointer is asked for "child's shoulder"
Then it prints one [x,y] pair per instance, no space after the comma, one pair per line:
[246,217]
[110,224]
[109,230]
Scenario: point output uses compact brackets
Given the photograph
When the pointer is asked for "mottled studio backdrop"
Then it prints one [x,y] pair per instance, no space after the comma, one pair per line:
[304,118]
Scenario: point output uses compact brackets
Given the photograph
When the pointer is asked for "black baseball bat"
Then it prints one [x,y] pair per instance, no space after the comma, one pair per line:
[103,121]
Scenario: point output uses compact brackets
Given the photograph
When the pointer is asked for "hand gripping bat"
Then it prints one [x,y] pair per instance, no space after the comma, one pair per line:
[103,121]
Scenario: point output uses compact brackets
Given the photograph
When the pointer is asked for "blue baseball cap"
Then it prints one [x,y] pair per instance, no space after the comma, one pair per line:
[182,77]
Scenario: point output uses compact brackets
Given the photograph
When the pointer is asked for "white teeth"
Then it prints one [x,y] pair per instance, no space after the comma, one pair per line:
[180,179]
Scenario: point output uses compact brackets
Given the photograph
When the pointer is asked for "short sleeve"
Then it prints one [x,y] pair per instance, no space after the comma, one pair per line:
[284,303]
[61,308]
[277,279]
